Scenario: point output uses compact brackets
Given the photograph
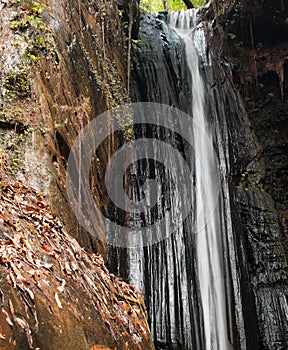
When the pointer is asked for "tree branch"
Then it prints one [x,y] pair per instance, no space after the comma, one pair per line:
[189,4]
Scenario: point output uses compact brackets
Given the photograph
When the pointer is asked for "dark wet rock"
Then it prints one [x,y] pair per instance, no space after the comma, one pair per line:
[159,69]
[263,269]
[256,284]
[259,71]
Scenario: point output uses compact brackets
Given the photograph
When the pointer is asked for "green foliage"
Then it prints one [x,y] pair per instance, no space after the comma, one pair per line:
[198,3]
[32,7]
[152,6]
[136,43]
[18,83]
[36,7]
[29,16]
[260,187]
[231,36]
[28,20]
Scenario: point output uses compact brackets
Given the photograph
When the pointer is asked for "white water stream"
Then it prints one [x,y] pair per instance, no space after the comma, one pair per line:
[208,224]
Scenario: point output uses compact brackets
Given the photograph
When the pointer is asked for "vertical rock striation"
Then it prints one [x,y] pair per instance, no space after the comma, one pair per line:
[254,258]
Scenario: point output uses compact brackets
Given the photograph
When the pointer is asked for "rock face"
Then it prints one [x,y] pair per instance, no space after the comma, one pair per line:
[256,46]
[61,65]
[169,270]
[264,270]
[256,280]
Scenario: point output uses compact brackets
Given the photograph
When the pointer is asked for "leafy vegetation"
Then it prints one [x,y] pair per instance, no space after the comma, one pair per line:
[29,22]
[29,16]
[170,5]
[18,82]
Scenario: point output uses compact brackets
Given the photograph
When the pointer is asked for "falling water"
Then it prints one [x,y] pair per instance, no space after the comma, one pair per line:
[190,298]
[208,223]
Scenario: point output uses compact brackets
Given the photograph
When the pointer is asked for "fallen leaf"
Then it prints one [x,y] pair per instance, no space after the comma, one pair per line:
[5,218]
[22,323]
[74,266]
[8,319]
[34,273]
[88,279]
[29,337]
[26,243]
[4,258]
[46,248]
[15,269]
[58,301]
[42,204]
[29,291]
[67,268]
[11,307]
[22,279]
[10,223]
[126,307]
[48,266]
[11,279]
[61,288]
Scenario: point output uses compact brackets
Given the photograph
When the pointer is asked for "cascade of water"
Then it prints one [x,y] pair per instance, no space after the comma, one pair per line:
[208,226]
[182,276]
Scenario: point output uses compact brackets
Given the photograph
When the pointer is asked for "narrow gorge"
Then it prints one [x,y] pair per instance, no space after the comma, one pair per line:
[191,215]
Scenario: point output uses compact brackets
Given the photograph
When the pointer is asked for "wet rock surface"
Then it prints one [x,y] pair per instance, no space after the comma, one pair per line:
[168,270]
[60,67]
[259,70]
[257,278]
[264,269]
[160,55]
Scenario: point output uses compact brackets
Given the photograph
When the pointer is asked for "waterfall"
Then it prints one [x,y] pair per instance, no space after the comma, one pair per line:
[208,225]
[189,279]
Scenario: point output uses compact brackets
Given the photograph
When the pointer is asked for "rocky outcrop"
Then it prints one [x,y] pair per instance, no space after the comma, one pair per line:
[73,65]
[62,64]
[264,265]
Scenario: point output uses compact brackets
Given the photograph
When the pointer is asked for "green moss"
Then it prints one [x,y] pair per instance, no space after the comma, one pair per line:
[136,43]
[107,78]
[30,16]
